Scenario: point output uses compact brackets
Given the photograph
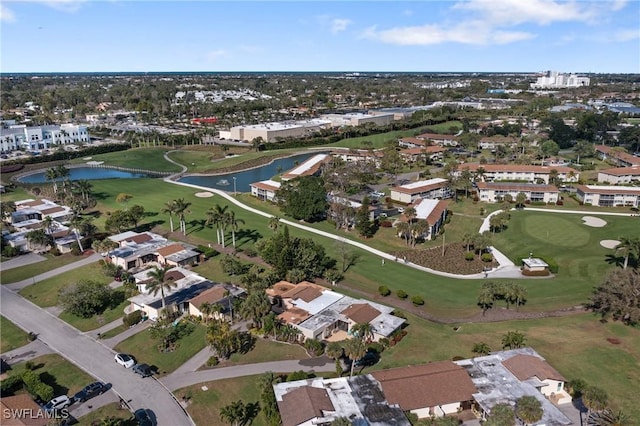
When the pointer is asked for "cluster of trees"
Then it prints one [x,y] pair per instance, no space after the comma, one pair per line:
[304,198]
[122,220]
[511,293]
[88,298]
[223,219]
[618,296]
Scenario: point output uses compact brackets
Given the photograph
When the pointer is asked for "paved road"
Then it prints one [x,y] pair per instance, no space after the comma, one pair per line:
[178,381]
[94,358]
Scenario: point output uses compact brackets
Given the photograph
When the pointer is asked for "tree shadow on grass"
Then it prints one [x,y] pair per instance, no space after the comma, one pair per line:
[146,227]
[612,259]
[50,380]
[243,236]
[196,225]
[251,411]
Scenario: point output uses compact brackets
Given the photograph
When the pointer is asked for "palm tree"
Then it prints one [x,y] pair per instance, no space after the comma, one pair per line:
[255,307]
[486,298]
[159,283]
[233,224]
[629,246]
[513,340]
[215,216]
[364,331]
[52,175]
[354,349]
[63,172]
[501,415]
[481,349]
[404,230]
[233,413]
[76,223]
[84,188]
[274,223]
[529,409]
[467,240]
[181,209]
[170,209]
[519,294]
[208,309]
[6,208]
[223,339]
[608,417]
[49,224]
[334,350]
[39,238]
[418,230]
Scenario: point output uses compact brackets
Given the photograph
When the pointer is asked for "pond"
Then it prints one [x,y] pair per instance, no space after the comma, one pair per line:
[82,173]
[243,179]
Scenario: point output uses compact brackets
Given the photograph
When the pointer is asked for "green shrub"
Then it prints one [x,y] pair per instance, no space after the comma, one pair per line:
[212,361]
[11,384]
[10,251]
[402,294]
[377,347]
[469,256]
[486,257]
[417,300]
[250,251]
[553,265]
[313,346]
[132,319]
[55,252]
[384,290]
[30,365]
[297,375]
[44,392]
[32,336]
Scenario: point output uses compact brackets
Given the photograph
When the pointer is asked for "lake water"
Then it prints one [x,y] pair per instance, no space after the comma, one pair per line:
[245,178]
[84,173]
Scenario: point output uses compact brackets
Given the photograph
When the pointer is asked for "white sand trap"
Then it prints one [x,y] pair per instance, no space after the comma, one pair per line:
[204,194]
[610,244]
[594,222]
[95,163]
[87,158]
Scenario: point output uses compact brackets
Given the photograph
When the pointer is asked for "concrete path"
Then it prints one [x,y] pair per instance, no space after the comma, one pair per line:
[52,273]
[27,352]
[109,326]
[175,382]
[22,260]
[113,341]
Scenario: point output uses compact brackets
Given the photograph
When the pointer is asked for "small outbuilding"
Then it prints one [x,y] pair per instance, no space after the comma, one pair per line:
[534,266]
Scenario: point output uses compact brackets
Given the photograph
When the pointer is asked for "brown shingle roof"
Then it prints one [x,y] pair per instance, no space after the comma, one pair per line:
[173,275]
[52,210]
[302,404]
[140,238]
[426,385]
[30,203]
[306,292]
[9,404]
[436,213]
[527,366]
[361,313]
[623,171]
[212,295]
[170,249]
[624,156]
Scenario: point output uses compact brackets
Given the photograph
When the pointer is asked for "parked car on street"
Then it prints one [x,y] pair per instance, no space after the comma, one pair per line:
[143,369]
[143,418]
[89,391]
[125,360]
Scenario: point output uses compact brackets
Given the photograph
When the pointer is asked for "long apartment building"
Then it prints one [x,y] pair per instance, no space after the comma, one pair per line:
[620,175]
[491,192]
[609,196]
[520,172]
[311,167]
[619,158]
[36,138]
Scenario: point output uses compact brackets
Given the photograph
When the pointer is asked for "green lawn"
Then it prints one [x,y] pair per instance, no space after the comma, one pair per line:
[266,351]
[109,410]
[205,405]
[137,158]
[29,271]
[11,336]
[114,332]
[63,376]
[109,315]
[45,293]
[145,350]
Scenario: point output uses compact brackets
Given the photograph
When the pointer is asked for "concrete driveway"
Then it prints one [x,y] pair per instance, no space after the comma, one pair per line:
[94,358]
[23,260]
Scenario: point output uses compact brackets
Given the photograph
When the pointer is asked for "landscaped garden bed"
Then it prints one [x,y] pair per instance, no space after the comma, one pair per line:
[453,261]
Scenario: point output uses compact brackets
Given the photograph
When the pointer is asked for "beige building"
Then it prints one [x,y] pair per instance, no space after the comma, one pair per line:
[619,175]
[358,119]
[269,132]
[431,189]
[609,196]
[491,192]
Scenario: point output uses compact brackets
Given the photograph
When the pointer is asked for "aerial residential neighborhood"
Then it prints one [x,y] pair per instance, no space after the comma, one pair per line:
[320,213]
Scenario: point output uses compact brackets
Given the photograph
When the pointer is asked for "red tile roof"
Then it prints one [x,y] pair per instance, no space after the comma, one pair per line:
[426,385]
[623,171]
[525,367]
[624,156]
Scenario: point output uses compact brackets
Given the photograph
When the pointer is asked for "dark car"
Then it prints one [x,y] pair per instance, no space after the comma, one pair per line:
[368,359]
[89,391]
[142,417]
[143,369]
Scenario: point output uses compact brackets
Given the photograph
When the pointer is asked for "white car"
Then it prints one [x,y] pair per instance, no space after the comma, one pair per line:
[57,403]
[125,360]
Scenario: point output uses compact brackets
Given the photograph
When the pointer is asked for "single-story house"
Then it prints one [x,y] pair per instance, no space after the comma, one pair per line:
[431,188]
[434,389]
[536,371]
[519,172]
[177,254]
[220,294]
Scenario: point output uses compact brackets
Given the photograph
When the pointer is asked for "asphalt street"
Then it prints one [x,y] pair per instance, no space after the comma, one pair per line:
[94,358]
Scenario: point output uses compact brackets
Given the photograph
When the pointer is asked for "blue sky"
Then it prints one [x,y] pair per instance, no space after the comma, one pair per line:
[471,35]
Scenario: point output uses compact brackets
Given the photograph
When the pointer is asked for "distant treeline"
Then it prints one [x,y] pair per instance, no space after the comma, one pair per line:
[68,155]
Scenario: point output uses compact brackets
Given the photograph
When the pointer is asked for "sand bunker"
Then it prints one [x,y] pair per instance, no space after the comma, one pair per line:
[610,244]
[204,194]
[94,163]
[594,222]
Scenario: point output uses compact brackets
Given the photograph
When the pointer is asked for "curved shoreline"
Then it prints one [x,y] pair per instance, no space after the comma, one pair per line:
[18,176]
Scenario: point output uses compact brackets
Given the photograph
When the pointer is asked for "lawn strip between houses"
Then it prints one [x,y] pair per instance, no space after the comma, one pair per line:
[12,336]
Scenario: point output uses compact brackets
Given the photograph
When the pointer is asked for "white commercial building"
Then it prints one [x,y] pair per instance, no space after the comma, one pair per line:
[41,137]
[269,132]
[558,80]
[358,119]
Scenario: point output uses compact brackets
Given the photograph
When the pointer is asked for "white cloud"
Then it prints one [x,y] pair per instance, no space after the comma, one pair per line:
[407,12]
[541,12]
[627,35]
[6,15]
[339,25]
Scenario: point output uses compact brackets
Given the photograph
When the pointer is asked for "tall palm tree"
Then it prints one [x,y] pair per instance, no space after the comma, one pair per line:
[63,173]
[182,208]
[529,409]
[159,283]
[49,224]
[215,216]
[76,223]
[52,175]
[354,349]
[364,331]
[84,188]
[233,223]
[628,246]
[334,350]
[170,209]
[404,230]
[255,307]
[467,240]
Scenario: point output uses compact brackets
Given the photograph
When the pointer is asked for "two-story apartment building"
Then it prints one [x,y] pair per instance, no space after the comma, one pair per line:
[436,188]
[491,192]
[609,196]
[619,175]
[520,173]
